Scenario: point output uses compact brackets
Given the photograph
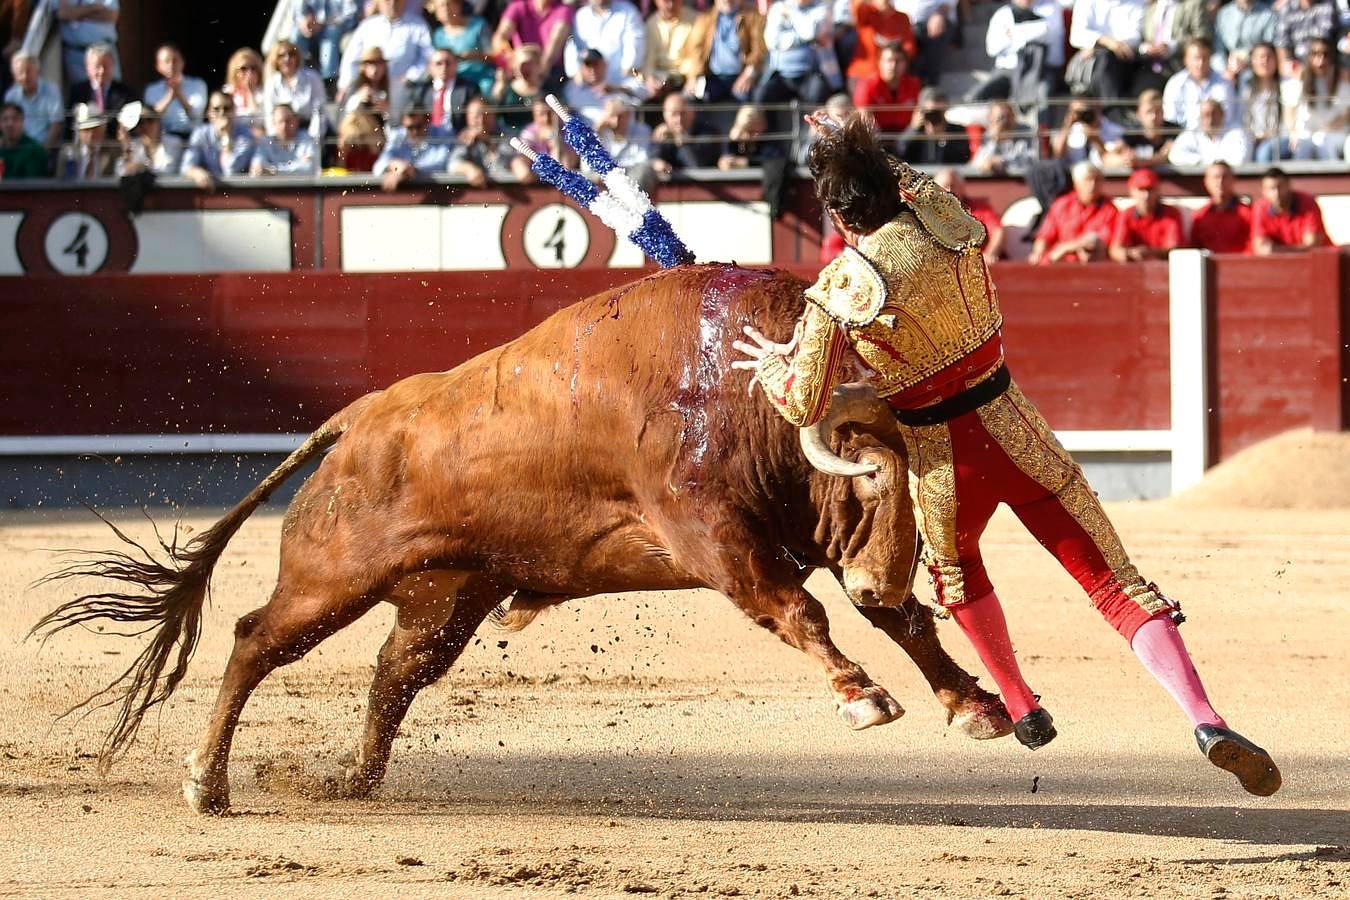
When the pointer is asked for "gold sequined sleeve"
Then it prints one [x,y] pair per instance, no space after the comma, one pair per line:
[800,387]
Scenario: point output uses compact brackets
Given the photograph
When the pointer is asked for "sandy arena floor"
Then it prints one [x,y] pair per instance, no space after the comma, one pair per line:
[661,744]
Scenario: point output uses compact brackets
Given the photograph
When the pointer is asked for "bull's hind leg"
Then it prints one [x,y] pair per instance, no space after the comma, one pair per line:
[970,708]
[305,608]
[437,614]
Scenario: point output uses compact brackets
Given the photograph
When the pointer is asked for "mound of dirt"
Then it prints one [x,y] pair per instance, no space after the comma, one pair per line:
[1301,469]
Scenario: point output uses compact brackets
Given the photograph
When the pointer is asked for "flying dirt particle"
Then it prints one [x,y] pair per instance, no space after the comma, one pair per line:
[1035,783]
[501,645]
[85,807]
[409,861]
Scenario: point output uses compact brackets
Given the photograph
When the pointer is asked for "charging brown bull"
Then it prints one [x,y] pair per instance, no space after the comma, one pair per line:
[609,449]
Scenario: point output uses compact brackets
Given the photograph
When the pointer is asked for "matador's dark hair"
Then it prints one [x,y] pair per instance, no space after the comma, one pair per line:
[853,175]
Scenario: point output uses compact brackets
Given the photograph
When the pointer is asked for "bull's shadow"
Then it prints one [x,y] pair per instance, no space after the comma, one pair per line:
[835,791]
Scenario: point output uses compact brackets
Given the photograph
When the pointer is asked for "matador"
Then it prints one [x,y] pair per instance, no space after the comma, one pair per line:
[910,302]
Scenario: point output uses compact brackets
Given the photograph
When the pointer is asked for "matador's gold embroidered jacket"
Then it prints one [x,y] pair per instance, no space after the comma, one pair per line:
[914,301]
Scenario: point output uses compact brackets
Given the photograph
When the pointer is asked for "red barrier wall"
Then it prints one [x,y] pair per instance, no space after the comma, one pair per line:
[273,353]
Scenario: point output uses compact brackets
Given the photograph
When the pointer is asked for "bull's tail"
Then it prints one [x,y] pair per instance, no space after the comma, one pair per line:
[166,598]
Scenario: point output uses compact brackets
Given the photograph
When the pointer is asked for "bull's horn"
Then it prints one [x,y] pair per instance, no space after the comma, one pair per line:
[848,403]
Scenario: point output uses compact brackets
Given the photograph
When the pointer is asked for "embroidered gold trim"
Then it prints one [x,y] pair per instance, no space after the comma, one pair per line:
[933,491]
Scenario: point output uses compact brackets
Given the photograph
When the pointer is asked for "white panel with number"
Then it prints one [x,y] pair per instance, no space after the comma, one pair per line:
[76,243]
[557,237]
[217,240]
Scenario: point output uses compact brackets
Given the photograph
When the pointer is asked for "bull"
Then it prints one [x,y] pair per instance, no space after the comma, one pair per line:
[604,451]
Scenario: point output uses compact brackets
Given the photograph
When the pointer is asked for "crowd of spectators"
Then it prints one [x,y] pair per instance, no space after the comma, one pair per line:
[405,90]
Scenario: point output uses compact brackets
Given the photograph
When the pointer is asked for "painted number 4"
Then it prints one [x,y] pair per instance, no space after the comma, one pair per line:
[76,243]
[79,247]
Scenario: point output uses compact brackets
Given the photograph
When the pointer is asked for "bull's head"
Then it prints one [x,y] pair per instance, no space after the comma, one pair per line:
[867,519]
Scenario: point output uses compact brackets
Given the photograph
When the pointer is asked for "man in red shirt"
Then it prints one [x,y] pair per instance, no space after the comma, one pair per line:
[1285,220]
[1148,229]
[1078,226]
[1224,224]
[892,93]
[978,207]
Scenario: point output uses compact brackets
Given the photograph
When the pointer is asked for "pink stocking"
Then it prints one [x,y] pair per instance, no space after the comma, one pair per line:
[982,622]
[1159,647]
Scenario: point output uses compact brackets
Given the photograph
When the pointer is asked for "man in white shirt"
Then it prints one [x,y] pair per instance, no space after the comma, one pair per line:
[1107,31]
[1211,142]
[404,41]
[1011,29]
[43,112]
[799,34]
[179,100]
[613,28]
[288,151]
[1197,82]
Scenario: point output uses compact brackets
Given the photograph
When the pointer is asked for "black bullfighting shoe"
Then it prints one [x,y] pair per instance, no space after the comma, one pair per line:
[1035,729]
[1232,752]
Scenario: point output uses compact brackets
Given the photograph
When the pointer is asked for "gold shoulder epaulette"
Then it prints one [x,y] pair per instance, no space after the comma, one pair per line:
[850,290]
[938,210]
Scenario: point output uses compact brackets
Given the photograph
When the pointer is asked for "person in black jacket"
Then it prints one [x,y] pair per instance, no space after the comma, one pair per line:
[104,93]
[682,140]
[930,140]
[442,93]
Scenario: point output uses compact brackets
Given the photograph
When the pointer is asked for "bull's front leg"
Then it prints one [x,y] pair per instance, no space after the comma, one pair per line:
[975,711]
[790,612]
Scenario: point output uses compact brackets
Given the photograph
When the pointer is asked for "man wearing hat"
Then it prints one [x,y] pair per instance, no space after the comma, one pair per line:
[1149,229]
[21,156]
[587,91]
[145,146]
[90,156]
[405,43]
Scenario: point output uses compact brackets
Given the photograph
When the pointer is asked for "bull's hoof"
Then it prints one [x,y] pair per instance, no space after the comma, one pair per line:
[207,797]
[874,707]
[984,722]
[356,782]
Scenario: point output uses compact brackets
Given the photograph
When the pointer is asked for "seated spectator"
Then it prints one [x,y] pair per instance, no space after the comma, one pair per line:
[43,114]
[725,52]
[994,235]
[1300,23]
[668,32]
[628,141]
[1167,30]
[1086,135]
[370,89]
[1262,107]
[517,90]
[179,100]
[1239,27]
[930,140]
[404,42]
[296,85]
[745,145]
[360,142]
[482,154]
[218,148]
[469,39]
[84,24]
[101,90]
[1212,141]
[1285,220]
[1017,30]
[1317,103]
[1005,149]
[798,33]
[1197,82]
[1106,36]
[443,93]
[545,23]
[243,82]
[413,152]
[878,25]
[287,150]
[587,92]
[22,156]
[891,93]
[145,146]
[614,29]
[682,140]
[1078,226]
[1224,224]
[935,29]
[543,135]
[91,157]
[1148,138]
[320,28]
[1149,229]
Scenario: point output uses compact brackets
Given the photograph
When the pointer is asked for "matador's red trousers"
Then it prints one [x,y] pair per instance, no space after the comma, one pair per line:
[1005,452]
